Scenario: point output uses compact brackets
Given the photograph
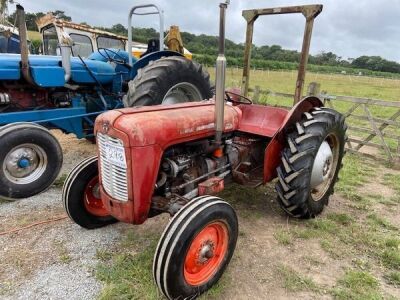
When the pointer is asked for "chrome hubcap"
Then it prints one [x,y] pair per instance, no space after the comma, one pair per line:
[324,167]
[181,93]
[25,164]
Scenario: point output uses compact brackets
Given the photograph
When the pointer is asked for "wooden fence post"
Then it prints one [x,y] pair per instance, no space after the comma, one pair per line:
[256,96]
[314,89]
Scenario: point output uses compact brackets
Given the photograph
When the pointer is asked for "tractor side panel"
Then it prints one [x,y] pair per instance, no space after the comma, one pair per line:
[9,67]
[272,157]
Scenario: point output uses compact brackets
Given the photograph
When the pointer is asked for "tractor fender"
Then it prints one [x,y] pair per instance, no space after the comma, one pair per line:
[145,60]
[273,151]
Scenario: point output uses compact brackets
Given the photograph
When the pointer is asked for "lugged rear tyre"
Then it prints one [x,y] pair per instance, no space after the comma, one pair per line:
[169,80]
[195,248]
[311,162]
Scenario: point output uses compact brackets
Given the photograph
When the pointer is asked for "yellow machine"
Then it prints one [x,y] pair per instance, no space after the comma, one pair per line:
[173,41]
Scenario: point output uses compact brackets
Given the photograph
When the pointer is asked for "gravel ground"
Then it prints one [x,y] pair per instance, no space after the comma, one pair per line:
[54,260]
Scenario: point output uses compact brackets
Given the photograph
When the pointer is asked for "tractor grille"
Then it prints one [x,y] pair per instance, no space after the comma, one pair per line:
[114,177]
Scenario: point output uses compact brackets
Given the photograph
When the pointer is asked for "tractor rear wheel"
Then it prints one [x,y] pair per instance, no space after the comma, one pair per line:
[311,162]
[30,160]
[81,196]
[169,80]
[195,248]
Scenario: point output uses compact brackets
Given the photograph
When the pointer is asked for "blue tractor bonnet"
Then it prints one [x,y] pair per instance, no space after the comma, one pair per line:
[47,71]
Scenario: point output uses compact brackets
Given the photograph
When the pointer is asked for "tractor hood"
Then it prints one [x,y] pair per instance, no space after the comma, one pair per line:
[166,125]
[47,71]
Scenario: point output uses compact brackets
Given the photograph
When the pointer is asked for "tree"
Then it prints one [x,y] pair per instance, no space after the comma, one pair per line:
[4,5]
[30,19]
[119,29]
[61,15]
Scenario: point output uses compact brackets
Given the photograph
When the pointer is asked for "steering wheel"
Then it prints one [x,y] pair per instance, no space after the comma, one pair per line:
[241,100]
[107,56]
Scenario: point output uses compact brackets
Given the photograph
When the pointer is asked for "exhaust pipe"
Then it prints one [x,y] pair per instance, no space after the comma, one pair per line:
[220,77]
[65,46]
[23,44]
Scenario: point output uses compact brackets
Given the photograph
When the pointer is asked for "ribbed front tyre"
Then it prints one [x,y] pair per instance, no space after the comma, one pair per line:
[81,196]
[195,248]
[311,162]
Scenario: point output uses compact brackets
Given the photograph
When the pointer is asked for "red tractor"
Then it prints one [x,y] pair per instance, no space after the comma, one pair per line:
[176,158]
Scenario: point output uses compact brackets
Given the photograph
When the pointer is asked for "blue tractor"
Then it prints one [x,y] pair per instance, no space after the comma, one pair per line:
[38,93]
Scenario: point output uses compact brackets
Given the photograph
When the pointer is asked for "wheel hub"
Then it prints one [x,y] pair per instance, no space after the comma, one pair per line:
[324,168]
[92,199]
[322,165]
[25,164]
[181,93]
[206,252]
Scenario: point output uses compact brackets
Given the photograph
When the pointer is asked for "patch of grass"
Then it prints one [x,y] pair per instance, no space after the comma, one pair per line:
[391,258]
[355,173]
[313,261]
[305,233]
[322,225]
[103,255]
[296,282]
[393,278]
[283,237]
[376,221]
[60,180]
[357,285]
[392,243]
[63,253]
[65,258]
[340,218]
[333,248]
[129,276]
[393,181]
[362,264]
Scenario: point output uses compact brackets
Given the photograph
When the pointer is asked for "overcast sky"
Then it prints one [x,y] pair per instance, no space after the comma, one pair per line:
[349,28]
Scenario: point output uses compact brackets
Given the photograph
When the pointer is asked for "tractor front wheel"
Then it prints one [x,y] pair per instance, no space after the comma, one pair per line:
[30,160]
[169,80]
[81,196]
[311,162]
[195,248]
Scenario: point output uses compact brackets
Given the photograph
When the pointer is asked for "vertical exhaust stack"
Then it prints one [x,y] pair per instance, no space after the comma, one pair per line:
[220,77]
[65,48]
[23,44]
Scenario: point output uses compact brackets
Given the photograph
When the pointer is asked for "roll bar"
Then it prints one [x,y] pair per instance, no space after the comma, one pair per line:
[156,11]
[310,12]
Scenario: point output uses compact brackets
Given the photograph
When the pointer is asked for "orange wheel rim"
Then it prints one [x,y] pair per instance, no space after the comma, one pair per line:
[93,203]
[206,253]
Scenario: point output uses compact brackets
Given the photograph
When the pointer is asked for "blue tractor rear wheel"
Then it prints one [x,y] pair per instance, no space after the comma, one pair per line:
[169,80]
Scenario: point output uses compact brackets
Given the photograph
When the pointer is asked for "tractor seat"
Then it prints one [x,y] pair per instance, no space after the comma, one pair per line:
[261,120]
[153,45]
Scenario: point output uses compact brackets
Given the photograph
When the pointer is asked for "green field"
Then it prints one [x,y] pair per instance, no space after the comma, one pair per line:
[284,82]
[34,35]
[344,85]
